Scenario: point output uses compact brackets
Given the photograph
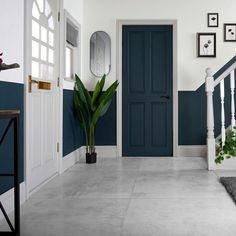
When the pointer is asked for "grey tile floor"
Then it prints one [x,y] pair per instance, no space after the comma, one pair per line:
[132,197]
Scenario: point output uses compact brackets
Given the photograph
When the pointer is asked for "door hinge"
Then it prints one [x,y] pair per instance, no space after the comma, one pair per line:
[58,147]
[58,82]
[59,16]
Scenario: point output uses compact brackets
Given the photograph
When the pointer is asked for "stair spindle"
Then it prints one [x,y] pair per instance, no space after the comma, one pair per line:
[232,88]
[222,98]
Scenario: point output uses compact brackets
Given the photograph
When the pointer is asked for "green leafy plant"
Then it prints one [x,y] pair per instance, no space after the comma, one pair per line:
[228,150]
[89,107]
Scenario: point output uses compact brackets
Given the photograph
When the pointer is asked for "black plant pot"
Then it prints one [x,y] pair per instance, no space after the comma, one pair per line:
[91,158]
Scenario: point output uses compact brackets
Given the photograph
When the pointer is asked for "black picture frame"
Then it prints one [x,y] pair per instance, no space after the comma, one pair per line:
[213,20]
[230,32]
[206,45]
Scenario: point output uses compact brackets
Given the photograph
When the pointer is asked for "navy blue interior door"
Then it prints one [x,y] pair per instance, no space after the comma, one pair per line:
[147,80]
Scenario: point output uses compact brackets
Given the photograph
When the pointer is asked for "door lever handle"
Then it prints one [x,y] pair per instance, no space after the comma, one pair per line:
[31,81]
[41,84]
[167,97]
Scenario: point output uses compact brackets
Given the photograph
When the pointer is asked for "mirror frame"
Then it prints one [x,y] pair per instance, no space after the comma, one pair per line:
[90,64]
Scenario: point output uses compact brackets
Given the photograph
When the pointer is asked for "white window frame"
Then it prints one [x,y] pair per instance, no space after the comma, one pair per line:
[72,49]
[76,51]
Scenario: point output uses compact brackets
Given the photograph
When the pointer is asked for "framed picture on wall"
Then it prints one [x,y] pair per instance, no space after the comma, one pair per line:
[206,44]
[230,32]
[213,19]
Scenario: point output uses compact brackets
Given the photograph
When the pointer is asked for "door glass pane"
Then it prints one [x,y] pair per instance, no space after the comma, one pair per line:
[35,11]
[51,56]
[51,22]
[35,49]
[51,39]
[35,29]
[43,71]
[44,36]
[47,8]
[41,5]
[50,72]
[35,69]
[43,53]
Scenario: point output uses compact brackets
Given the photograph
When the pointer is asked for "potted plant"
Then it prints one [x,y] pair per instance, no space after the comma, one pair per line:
[88,108]
[228,149]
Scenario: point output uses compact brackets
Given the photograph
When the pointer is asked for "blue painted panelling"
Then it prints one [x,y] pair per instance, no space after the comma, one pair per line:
[11,98]
[192,117]
[72,134]
[106,127]
[192,111]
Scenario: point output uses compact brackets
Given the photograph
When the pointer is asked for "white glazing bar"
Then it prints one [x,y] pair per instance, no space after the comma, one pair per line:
[222,98]
[232,88]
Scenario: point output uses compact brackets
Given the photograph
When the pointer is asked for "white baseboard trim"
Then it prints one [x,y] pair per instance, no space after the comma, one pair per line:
[102,151]
[106,151]
[70,160]
[7,199]
[79,155]
[192,151]
[227,164]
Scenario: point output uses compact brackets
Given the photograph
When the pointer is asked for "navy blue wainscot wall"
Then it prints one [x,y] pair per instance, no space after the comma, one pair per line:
[11,98]
[106,126]
[192,111]
[72,134]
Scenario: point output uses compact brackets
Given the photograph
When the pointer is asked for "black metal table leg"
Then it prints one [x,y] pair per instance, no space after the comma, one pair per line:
[16,177]
[14,118]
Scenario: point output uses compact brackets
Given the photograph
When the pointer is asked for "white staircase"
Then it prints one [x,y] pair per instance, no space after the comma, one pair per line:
[211,84]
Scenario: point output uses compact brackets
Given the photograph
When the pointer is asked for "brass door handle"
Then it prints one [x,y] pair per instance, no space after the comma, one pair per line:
[41,84]
[30,82]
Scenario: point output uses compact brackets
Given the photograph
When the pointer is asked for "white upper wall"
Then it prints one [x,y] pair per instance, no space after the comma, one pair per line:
[192,18]
[75,8]
[12,38]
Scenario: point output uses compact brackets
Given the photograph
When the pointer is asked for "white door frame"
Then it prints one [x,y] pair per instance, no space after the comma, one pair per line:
[120,24]
[27,72]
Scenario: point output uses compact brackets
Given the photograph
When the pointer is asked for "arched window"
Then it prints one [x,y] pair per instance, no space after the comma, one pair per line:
[43,40]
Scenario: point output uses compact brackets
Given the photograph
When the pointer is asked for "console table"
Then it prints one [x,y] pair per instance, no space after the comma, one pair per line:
[13,117]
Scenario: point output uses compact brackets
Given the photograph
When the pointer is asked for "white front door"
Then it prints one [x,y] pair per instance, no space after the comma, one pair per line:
[41,98]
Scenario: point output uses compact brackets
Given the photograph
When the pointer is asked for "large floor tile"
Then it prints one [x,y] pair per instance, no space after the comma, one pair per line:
[83,210]
[169,163]
[185,183]
[180,217]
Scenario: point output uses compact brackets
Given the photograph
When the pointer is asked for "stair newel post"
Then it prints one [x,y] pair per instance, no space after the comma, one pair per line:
[232,88]
[210,120]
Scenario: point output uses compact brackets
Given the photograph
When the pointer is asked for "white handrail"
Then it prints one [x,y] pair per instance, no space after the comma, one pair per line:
[225,74]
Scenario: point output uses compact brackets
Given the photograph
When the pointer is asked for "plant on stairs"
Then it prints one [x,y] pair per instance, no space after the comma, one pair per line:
[88,108]
[228,149]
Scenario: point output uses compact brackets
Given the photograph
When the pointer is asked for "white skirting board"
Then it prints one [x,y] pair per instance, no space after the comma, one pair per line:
[7,199]
[69,160]
[79,155]
[227,164]
[102,151]
[192,151]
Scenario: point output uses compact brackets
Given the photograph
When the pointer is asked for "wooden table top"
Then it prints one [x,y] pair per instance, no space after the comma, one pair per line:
[9,113]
